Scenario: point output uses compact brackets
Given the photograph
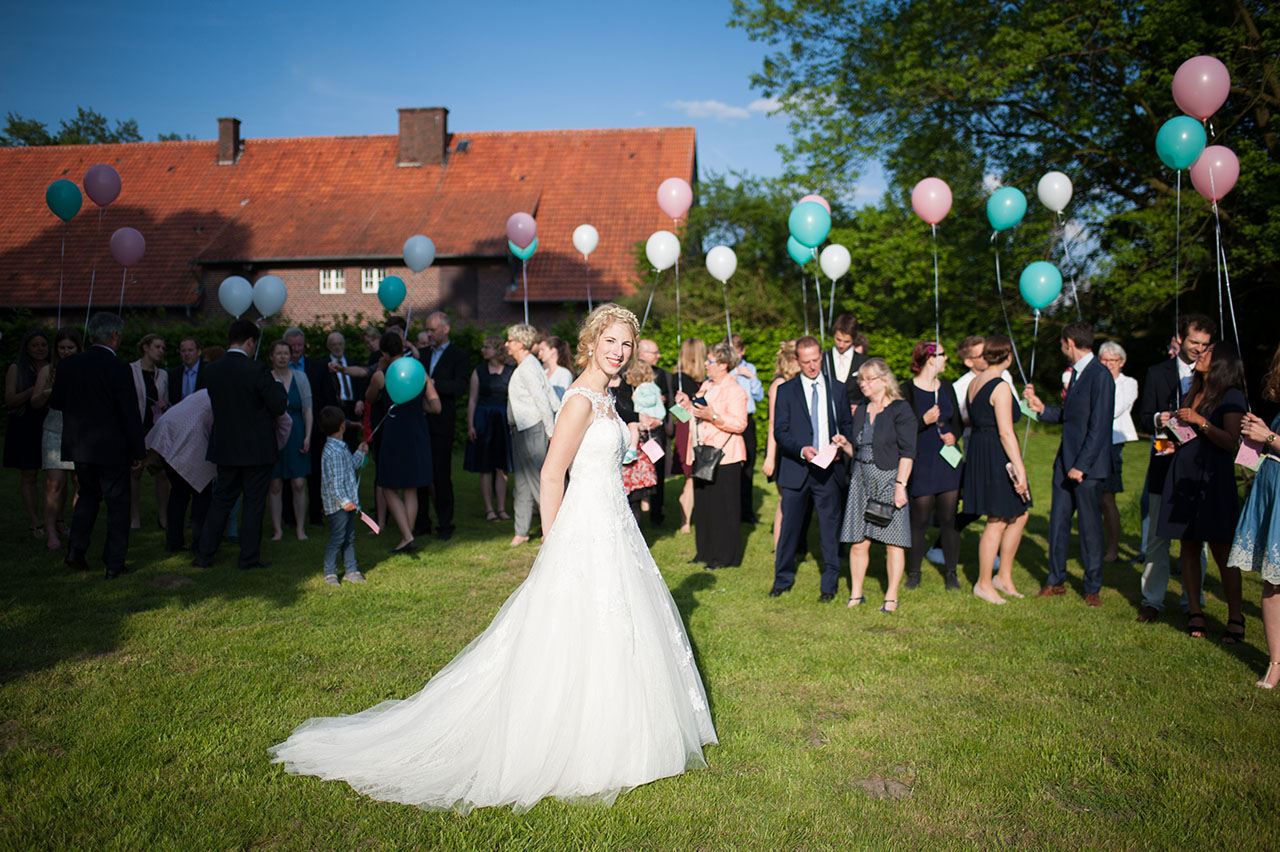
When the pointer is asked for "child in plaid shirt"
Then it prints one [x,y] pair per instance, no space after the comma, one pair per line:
[338,494]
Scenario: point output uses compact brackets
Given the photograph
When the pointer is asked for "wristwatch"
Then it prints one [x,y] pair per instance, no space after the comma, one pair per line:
[1271,439]
[714,417]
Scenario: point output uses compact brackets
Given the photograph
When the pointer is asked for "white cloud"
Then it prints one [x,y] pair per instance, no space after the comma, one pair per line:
[991,182]
[710,109]
[765,105]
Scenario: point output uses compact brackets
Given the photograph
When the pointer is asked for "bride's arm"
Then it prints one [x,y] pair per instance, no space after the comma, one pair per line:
[571,424]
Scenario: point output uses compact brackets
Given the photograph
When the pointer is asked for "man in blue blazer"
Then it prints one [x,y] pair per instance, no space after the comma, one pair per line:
[810,412]
[1083,461]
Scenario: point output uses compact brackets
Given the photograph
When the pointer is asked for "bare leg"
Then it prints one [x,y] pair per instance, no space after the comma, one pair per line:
[411,508]
[1010,540]
[162,497]
[299,485]
[55,493]
[896,564]
[395,506]
[992,534]
[859,556]
[777,518]
[1271,625]
[486,492]
[29,499]
[500,491]
[380,505]
[686,505]
[1111,526]
[135,499]
[1189,562]
[276,503]
[1231,586]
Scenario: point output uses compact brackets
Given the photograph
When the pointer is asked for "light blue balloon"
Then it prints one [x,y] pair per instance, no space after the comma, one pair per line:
[1006,207]
[391,292]
[1180,142]
[809,223]
[405,379]
[1040,283]
[523,253]
[799,252]
[419,252]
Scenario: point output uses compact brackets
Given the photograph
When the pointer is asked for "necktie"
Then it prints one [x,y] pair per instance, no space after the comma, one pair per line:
[813,414]
[1072,381]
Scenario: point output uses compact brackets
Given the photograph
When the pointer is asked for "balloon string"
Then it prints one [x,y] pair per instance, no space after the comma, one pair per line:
[831,311]
[1035,336]
[587,259]
[822,324]
[524,273]
[89,306]
[61,263]
[804,300]
[678,341]
[1075,294]
[1177,272]
[375,429]
[1226,274]
[937,315]
[123,278]
[1217,235]
[654,289]
[728,329]
[1000,292]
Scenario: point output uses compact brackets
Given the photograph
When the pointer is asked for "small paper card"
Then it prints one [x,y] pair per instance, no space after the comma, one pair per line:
[1249,455]
[1184,432]
[1027,411]
[951,455]
[825,456]
[653,450]
[371,523]
[678,412]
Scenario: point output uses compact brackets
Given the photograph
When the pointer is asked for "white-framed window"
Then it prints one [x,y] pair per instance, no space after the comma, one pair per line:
[333,281]
[370,279]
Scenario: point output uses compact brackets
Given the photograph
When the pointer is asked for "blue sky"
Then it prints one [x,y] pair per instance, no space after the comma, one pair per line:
[325,68]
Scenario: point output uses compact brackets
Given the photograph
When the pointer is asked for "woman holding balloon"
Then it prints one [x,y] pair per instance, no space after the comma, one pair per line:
[404,459]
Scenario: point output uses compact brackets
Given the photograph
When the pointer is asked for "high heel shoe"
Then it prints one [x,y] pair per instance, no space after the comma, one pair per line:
[1002,590]
[978,593]
[1262,684]
[858,601]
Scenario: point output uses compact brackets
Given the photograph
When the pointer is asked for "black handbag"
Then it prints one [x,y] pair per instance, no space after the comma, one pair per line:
[879,513]
[706,461]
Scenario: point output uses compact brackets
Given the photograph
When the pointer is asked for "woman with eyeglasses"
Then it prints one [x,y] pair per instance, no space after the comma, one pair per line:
[884,451]
[934,486]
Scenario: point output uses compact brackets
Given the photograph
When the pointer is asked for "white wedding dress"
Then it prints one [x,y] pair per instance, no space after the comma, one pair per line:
[582,687]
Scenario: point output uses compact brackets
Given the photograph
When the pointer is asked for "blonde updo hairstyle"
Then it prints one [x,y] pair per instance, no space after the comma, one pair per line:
[594,326]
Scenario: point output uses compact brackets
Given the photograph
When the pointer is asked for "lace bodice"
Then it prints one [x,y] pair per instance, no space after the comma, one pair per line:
[599,457]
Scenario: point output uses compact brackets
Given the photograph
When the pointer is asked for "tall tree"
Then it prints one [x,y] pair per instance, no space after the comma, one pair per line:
[87,128]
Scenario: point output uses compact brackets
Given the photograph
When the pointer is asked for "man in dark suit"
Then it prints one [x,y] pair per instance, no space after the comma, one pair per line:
[339,389]
[1082,463]
[810,412]
[648,352]
[322,393]
[450,370]
[245,400]
[841,362]
[1165,384]
[183,378]
[102,434]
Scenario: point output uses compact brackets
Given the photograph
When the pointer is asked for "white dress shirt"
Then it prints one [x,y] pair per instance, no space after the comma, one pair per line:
[807,385]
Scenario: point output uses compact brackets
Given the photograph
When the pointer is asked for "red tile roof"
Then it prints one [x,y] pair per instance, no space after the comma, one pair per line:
[336,198]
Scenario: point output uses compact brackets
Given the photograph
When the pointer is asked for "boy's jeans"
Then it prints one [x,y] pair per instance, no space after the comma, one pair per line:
[342,537]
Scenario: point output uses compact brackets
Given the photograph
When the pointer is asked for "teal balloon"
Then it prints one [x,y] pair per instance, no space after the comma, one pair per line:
[523,253]
[64,199]
[1040,284]
[406,378]
[1180,142]
[391,292]
[799,252]
[1006,207]
[809,223]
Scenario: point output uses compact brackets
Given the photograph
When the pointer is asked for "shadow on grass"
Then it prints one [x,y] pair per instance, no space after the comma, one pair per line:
[685,596]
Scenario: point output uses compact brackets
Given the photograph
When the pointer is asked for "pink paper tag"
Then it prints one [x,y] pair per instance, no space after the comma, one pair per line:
[653,450]
[1249,456]
[1184,432]
[371,523]
[825,456]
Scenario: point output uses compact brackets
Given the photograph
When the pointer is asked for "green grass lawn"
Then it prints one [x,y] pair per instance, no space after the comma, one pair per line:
[136,714]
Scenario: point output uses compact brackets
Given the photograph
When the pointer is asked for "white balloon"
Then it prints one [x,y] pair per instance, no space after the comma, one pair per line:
[722,263]
[419,252]
[834,261]
[662,249]
[269,294]
[235,294]
[1054,191]
[585,239]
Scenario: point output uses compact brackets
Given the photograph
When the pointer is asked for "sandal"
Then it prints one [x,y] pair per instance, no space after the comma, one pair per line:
[1262,684]
[491,515]
[37,530]
[503,515]
[884,607]
[1233,637]
[1196,631]
[858,601]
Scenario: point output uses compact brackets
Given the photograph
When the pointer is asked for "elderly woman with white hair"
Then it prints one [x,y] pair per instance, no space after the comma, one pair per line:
[1112,356]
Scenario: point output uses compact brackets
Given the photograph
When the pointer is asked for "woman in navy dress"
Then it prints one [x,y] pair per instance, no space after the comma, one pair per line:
[294,461]
[935,482]
[995,480]
[26,422]
[488,444]
[1200,503]
[404,460]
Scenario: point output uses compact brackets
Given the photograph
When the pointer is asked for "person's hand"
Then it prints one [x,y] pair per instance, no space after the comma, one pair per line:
[682,400]
[1164,417]
[335,367]
[1075,474]
[768,466]
[348,506]
[471,434]
[948,438]
[1020,484]
[359,408]
[704,412]
[136,464]
[1190,417]
[363,448]
[807,453]
[1033,401]
[1254,428]
[899,495]
[931,416]
[649,423]
[306,445]
[842,442]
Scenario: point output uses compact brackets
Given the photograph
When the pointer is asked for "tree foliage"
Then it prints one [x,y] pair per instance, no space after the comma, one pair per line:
[87,128]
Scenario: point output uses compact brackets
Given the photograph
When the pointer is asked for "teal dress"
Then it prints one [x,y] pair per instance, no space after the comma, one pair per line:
[292,463]
[1257,542]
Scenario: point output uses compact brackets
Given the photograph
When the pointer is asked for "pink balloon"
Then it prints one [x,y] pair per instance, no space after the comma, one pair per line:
[1200,86]
[1215,172]
[931,199]
[817,198]
[102,184]
[521,229]
[675,197]
[127,246]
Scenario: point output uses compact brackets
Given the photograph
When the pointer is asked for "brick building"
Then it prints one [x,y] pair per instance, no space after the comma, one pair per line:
[330,215]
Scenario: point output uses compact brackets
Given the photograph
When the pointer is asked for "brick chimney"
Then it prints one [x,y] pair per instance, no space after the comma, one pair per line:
[228,141]
[424,132]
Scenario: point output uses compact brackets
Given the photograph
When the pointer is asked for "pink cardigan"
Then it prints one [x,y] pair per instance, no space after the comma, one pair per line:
[730,403]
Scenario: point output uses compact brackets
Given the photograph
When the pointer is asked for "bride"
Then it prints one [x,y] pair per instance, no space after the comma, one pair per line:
[584,684]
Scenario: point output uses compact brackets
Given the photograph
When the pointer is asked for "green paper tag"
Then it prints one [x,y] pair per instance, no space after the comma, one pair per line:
[951,455]
[679,413]
[1027,411]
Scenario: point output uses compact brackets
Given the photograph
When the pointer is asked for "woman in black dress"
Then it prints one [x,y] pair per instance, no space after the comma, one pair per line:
[488,448]
[1199,502]
[935,481]
[404,460]
[26,422]
[995,479]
